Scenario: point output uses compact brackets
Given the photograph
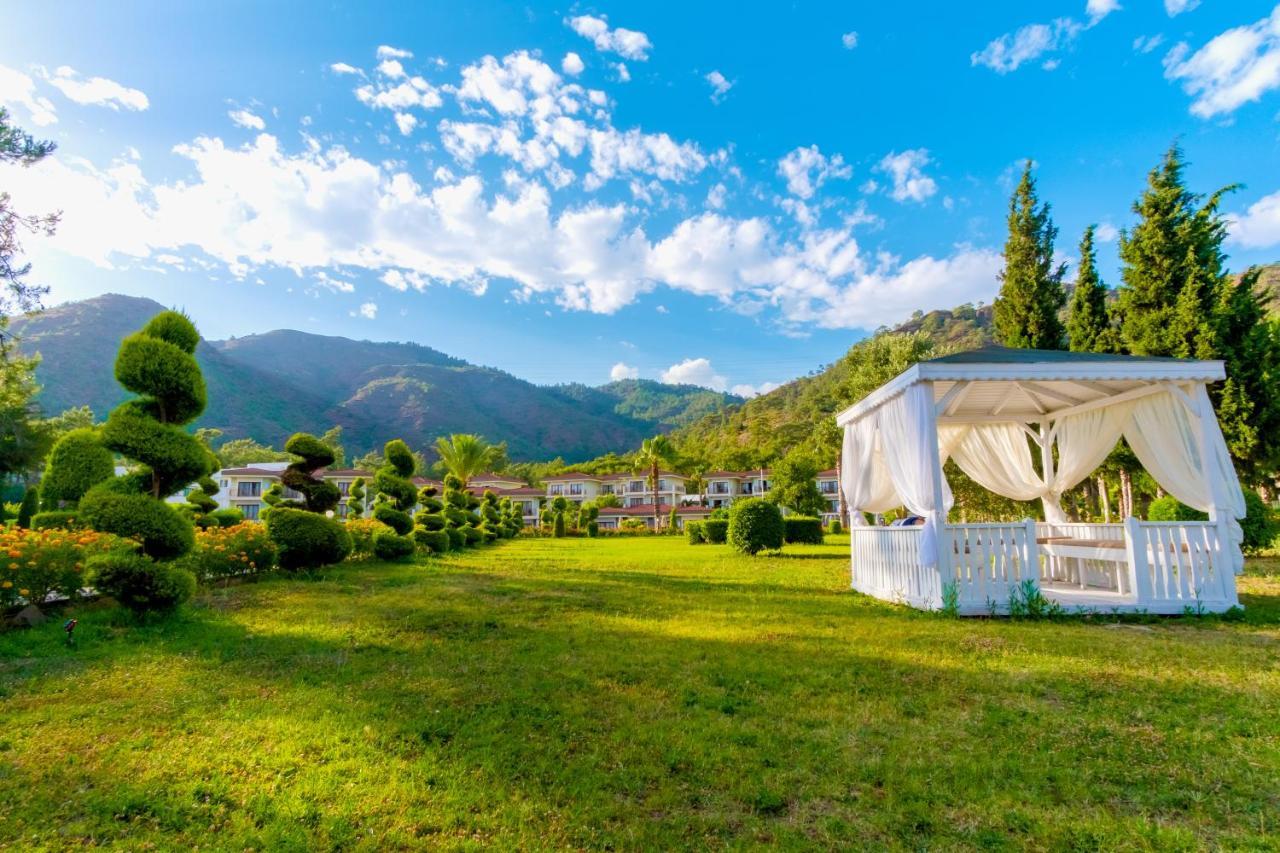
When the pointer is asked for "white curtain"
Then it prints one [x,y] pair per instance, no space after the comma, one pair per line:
[1165,436]
[1084,442]
[907,429]
[866,483]
[998,458]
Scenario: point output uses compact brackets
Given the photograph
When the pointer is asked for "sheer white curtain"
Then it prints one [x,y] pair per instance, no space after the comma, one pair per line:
[998,458]
[1084,442]
[866,483]
[908,441]
[1165,436]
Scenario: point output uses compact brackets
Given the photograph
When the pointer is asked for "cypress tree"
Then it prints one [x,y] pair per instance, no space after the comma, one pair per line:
[1088,323]
[1031,293]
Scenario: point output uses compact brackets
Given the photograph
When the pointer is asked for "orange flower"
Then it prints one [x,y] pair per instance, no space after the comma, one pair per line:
[7,585]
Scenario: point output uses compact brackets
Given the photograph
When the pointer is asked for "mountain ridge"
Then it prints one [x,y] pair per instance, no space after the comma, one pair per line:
[269,385]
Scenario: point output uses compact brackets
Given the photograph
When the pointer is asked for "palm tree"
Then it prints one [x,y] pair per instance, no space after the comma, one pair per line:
[653,453]
[698,485]
[464,455]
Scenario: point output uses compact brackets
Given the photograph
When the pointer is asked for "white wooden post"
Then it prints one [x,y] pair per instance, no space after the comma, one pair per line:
[1135,543]
[1031,552]
[946,571]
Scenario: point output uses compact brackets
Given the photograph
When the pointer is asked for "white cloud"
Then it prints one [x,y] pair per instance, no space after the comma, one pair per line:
[716,196]
[620,68]
[246,119]
[695,371]
[1235,67]
[720,85]
[1106,233]
[413,92]
[622,371]
[391,68]
[572,64]
[406,122]
[630,44]
[745,390]
[910,183]
[1177,7]
[1259,226]
[369,310]
[807,169]
[849,40]
[1146,44]
[1099,9]
[17,88]
[98,91]
[1011,50]
[386,51]
[344,68]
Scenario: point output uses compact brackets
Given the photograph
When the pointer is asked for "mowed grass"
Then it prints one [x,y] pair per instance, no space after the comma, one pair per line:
[634,694]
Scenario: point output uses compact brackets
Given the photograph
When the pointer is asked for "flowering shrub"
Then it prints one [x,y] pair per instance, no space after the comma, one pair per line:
[37,563]
[221,552]
[363,532]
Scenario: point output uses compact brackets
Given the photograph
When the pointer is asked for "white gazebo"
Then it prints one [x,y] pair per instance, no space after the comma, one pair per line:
[985,410]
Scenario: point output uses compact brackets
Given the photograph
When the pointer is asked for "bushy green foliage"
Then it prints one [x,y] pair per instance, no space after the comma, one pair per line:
[802,530]
[434,541]
[1089,321]
[835,528]
[673,522]
[30,504]
[716,530]
[593,529]
[111,507]
[59,519]
[397,496]
[139,583]
[695,532]
[362,532]
[223,552]
[794,483]
[557,526]
[755,525]
[355,499]
[1031,293]
[1168,508]
[1259,525]
[307,540]
[200,501]
[226,517]
[318,495]
[77,463]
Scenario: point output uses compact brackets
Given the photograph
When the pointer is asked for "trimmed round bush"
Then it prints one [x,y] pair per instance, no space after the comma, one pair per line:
[435,541]
[141,584]
[1168,508]
[307,539]
[802,530]
[836,527]
[228,517]
[392,546]
[77,463]
[163,531]
[695,532]
[62,519]
[716,530]
[755,525]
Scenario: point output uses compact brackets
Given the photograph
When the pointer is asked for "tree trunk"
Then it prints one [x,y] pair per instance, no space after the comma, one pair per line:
[1105,497]
[1126,494]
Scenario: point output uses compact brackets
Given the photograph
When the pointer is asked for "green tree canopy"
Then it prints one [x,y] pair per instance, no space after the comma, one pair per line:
[1088,323]
[1031,293]
[464,455]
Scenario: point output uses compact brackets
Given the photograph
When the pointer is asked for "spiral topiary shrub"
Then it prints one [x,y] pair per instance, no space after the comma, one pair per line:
[307,540]
[802,530]
[200,502]
[716,530]
[306,535]
[398,497]
[430,524]
[158,364]
[755,525]
[355,499]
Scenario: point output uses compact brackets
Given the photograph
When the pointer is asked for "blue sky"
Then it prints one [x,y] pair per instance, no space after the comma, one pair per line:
[727,194]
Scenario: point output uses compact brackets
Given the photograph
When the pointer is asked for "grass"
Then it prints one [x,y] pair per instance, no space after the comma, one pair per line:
[638,694]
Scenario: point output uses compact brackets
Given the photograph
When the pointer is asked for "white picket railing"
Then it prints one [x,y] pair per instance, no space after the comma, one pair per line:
[1179,564]
[1098,574]
[988,561]
[886,564]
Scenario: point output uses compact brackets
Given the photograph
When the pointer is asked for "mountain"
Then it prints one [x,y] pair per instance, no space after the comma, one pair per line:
[271,385]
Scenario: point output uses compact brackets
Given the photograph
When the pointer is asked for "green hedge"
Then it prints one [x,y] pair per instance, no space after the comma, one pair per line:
[164,532]
[836,527]
[228,517]
[716,530]
[63,519]
[139,583]
[755,525]
[802,530]
[307,540]
[695,532]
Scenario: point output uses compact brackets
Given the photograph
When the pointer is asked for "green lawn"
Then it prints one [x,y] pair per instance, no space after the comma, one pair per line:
[634,693]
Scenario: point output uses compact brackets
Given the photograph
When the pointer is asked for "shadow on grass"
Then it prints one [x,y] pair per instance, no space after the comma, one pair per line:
[623,708]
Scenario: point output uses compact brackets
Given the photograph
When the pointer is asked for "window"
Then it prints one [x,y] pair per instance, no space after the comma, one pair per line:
[250,510]
[249,489]
[292,494]
[344,487]
[720,488]
[342,510]
[575,488]
[827,487]
[833,506]
[556,489]
[635,486]
[224,484]
[606,489]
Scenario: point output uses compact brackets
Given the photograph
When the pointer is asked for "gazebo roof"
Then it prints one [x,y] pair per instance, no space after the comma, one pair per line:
[1021,385]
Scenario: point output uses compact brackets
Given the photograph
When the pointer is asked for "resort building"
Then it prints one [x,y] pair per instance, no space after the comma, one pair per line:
[632,489]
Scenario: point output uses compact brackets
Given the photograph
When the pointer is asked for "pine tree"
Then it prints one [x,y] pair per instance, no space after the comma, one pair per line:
[1031,293]
[1089,323]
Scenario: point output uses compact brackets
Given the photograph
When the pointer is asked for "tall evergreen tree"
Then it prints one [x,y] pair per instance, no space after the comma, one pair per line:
[1088,322]
[1031,293]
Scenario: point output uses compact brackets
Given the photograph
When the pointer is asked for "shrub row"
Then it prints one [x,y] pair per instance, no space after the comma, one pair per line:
[714,531]
[802,530]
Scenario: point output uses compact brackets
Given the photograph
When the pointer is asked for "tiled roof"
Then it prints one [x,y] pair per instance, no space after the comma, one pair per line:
[248,472]
[346,472]
[724,475]
[521,491]
[569,475]
[830,472]
[647,509]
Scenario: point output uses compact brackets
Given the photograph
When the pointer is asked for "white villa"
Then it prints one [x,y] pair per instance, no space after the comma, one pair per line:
[984,410]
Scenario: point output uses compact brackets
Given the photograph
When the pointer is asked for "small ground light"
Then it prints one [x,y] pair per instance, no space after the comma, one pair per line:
[70,627]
